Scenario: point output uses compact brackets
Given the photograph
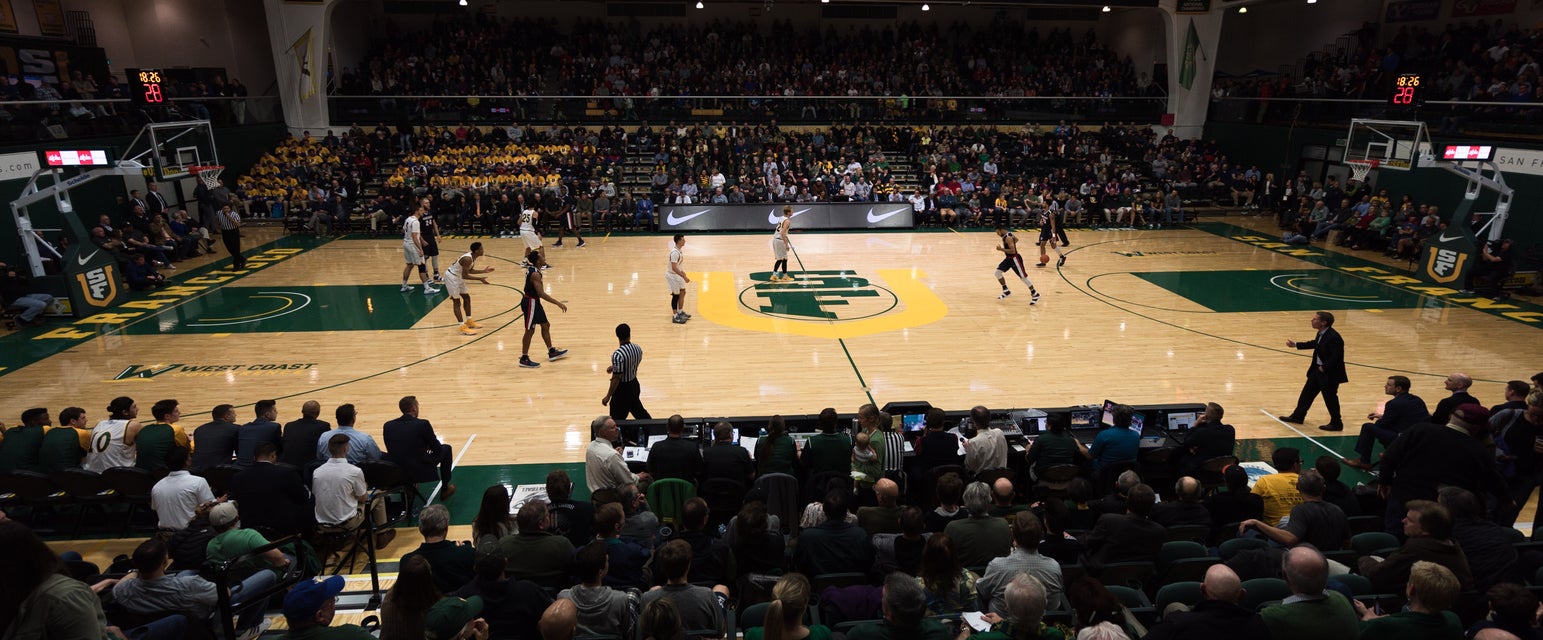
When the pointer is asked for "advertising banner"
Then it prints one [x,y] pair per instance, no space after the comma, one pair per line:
[812,216]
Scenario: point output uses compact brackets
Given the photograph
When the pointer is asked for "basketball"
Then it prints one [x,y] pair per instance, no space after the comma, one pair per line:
[1044,258]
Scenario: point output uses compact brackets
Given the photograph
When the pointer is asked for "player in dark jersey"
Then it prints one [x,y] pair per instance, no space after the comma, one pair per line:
[430,233]
[564,209]
[535,315]
[1049,225]
[1012,261]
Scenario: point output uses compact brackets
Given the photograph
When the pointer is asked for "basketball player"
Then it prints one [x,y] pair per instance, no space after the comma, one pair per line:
[534,314]
[1049,224]
[412,248]
[1012,261]
[112,440]
[567,219]
[455,285]
[528,233]
[677,279]
[430,231]
[780,246]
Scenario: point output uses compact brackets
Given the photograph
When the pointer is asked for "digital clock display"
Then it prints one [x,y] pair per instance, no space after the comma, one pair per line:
[1407,91]
[145,86]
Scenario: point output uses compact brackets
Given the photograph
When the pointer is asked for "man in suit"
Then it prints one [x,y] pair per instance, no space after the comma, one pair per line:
[1458,384]
[1125,537]
[263,429]
[411,443]
[1400,413]
[301,436]
[273,497]
[215,441]
[1325,374]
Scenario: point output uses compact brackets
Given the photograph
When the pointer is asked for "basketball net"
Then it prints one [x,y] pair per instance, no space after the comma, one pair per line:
[210,175]
[1359,169]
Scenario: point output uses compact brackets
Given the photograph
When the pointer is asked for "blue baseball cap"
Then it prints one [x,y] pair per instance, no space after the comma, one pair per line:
[307,597]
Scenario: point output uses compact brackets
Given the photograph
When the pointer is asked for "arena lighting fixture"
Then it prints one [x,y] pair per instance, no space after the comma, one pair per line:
[699,4]
[463,3]
[1106,8]
[1242,9]
[926,7]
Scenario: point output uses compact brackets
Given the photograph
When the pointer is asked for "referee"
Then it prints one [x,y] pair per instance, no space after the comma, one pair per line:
[624,378]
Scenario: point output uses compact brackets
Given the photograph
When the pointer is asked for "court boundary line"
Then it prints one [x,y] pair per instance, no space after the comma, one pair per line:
[453,464]
[1299,432]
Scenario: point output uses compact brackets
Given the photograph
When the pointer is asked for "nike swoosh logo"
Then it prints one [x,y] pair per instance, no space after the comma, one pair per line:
[776,215]
[875,219]
[82,260]
[1444,237]
[672,220]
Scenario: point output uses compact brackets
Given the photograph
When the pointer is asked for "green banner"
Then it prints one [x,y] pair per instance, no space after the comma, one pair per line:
[1191,51]
[91,274]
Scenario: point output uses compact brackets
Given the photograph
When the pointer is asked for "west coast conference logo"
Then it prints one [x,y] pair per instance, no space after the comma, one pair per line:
[821,304]
[149,372]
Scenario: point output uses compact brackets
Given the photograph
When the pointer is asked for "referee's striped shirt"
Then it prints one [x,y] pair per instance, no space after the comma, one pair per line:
[625,360]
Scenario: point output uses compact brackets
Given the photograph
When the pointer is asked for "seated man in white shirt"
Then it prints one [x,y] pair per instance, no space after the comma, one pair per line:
[341,493]
[176,496]
[988,449]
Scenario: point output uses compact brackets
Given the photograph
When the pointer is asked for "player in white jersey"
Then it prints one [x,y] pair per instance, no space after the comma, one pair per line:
[780,246]
[455,284]
[412,249]
[528,232]
[676,277]
[112,440]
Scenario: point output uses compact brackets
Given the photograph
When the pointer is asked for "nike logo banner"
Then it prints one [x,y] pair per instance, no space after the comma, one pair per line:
[805,216]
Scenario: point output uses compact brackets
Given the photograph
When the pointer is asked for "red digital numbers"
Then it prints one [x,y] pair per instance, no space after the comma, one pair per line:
[1403,96]
[153,94]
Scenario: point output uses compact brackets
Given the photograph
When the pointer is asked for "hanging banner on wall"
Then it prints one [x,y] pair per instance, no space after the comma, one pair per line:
[50,17]
[307,73]
[1193,6]
[7,17]
[1467,8]
[1191,52]
[1412,10]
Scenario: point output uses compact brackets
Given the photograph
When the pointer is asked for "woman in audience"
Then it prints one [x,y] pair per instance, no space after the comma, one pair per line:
[660,621]
[776,452]
[37,600]
[1094,605]
[949,587]
[756,548]
[404,610]
[785,615]
[493,521]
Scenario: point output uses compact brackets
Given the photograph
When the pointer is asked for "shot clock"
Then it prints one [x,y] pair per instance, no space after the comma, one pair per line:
[1408,91]
[145,87]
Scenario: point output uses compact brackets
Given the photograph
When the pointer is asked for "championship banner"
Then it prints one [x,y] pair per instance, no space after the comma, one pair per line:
[7,17]
[1469,8]
[1191,49]
[1412,10]
[813,216]
[302,52]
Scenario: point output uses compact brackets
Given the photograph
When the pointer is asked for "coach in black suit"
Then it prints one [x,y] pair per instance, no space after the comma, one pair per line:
[272,497]
[216,440]
[1402,411]
[1325,374]
[411,443]
[1125,537]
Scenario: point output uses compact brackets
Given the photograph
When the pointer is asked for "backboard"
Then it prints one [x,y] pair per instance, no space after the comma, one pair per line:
[1394,144]
[164,151]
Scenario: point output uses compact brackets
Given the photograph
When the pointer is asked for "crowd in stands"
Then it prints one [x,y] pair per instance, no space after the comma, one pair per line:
[71,115]
[1066,537]
[601,58]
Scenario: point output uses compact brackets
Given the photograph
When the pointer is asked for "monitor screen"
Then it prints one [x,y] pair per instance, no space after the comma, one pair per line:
[1033,426]
[1182,421]
[1084,419]
[1108,417]
[1138,421]
[914,422]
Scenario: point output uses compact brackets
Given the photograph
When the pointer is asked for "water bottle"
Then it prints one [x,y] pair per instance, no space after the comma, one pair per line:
[763,432]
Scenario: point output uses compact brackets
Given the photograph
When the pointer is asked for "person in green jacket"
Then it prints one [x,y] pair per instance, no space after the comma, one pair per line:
[828,451]
[1025,601]
[1432,590]
[776,452]
[64,447]
[156,439]
[905,614]
[1312,610]
[785,615]
[19,450]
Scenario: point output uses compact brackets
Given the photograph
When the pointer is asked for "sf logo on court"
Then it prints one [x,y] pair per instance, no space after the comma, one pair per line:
[823,304]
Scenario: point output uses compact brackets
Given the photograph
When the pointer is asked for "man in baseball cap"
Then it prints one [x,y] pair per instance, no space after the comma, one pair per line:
[309,607]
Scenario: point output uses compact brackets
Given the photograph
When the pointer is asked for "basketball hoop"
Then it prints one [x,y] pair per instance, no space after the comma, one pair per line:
[209,174]
[1359,169]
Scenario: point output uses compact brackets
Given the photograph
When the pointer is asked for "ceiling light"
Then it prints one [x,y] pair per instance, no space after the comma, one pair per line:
[699,4]
[463,3]
[1242,9]
[1106,8]
[926,7]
